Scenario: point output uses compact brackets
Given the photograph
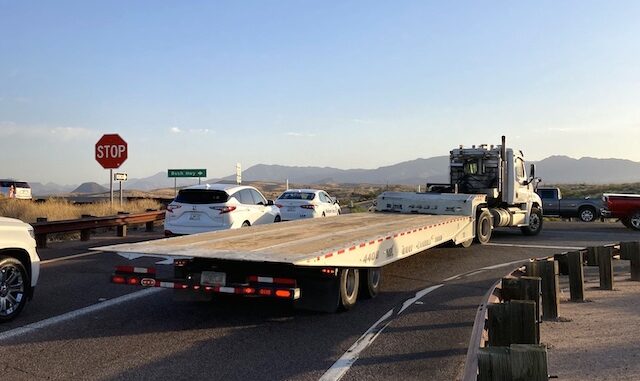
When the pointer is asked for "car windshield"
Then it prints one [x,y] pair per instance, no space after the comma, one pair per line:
[202,196]
[297,196]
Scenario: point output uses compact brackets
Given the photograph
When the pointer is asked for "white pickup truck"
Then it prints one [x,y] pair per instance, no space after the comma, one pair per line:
[19,266]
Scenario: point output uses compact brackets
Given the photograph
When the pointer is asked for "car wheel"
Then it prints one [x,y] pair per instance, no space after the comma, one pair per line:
[13,283]
[587,214]
[245,224]
[634,221]
[277,219]
[626,221]
[535,223]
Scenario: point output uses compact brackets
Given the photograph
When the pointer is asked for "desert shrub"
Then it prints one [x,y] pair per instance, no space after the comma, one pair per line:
[57,209]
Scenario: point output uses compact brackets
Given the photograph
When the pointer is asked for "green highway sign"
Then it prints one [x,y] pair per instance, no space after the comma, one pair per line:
[187,172]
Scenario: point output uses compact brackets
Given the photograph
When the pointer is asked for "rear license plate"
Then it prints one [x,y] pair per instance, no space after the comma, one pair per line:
[194,217]
[291,209]
[213,278]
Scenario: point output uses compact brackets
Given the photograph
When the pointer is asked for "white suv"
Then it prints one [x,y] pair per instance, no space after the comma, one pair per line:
[19,266]
[208,207]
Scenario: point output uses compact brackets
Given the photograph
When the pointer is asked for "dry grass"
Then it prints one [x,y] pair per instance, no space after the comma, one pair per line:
[57,209]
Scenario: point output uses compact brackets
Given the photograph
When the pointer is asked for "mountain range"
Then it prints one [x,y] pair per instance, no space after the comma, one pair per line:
[552,170]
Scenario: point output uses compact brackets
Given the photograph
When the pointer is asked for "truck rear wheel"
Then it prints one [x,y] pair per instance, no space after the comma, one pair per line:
[483,227]
[349,284]
[587,214]
[370,282]
[535,222]
[13,283]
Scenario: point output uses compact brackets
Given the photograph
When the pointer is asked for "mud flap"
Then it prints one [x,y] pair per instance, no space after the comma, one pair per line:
[321,295]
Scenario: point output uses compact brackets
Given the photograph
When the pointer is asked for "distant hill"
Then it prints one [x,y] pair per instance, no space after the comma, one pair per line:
[412,172]
[588,170]
[90,188]
[552,170]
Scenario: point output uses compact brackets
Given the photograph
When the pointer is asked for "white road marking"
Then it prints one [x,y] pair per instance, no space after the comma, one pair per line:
[30,328]
[535,246]
[69,257]
[344,363]
[503,264]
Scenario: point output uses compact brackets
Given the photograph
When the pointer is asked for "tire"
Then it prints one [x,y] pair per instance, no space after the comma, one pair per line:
[535,222]
[587,214]
[370,282]
[467,243]
[484,227]
[277,219]
[245,224]
[349,284]
[634,220]
[14,281]
[626,221]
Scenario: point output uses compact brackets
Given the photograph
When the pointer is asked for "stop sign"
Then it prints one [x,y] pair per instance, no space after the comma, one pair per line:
[111,151]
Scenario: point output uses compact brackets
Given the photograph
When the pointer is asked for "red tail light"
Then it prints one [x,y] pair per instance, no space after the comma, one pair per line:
[224,209]
[311,206]
[280,205]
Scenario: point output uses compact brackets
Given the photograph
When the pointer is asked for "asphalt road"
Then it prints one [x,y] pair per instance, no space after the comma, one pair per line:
[79,327]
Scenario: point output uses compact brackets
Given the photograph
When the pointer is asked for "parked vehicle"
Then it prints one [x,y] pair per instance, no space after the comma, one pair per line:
[626,207]
[209,207]
[323,264]
[554,205]
[19,266]
[17,189]
[295,204]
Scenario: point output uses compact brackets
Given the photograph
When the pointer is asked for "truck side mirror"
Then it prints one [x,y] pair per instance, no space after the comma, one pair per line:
[532,171]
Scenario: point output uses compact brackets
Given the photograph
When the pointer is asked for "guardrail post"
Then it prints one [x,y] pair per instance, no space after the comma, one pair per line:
[518,363]
[85,234]
[512,323]
[548,271]
[563,265]
[149,226]
[524,288]
[604,257]
[631,251]
[122,230]
[591,257]
[41,239]
[576,275]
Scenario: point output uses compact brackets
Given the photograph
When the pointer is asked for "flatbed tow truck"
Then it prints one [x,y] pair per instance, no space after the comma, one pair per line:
[321,264]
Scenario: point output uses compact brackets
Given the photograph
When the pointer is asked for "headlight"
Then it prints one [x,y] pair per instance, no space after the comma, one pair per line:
[31,233]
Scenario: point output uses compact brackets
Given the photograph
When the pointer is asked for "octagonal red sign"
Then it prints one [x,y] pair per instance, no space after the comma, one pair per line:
[111,151]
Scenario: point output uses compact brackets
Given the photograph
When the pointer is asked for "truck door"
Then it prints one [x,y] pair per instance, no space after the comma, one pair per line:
[550,201]
[522,189]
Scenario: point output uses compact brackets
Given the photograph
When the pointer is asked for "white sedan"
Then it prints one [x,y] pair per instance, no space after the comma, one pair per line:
[306,203]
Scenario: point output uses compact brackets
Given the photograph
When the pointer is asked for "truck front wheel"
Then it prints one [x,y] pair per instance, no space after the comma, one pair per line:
[349,283]
[13,283]
[535,223]
[483,227]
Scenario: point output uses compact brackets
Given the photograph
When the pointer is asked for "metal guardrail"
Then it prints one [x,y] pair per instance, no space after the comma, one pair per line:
[88,223]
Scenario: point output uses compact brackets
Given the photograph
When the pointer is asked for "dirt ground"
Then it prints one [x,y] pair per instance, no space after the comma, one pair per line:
[600,338]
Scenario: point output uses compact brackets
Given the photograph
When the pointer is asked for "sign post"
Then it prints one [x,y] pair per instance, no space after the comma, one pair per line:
[238,173]
[120,177]
[111,152]
[175,173]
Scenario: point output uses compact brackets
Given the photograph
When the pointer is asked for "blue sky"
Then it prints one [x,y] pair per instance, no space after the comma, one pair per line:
[347,84]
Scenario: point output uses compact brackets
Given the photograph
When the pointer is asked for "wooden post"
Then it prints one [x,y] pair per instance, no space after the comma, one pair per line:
[512,323]
[528,362]
[494,364]
[635,266]
[628,248]
[562,263]
[122,230]
[524,288]
[576,276]
[548,271]
[605,267]
[516,363]
[592,259]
